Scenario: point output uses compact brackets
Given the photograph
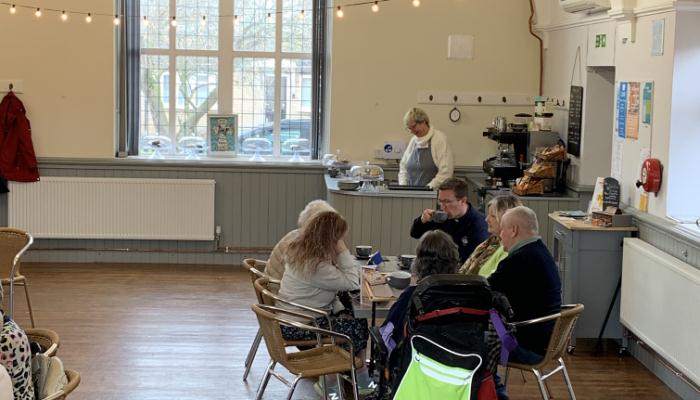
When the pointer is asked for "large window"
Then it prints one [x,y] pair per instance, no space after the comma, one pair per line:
[253,58]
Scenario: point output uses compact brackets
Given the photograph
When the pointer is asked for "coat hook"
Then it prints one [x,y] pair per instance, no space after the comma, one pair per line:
[11,86]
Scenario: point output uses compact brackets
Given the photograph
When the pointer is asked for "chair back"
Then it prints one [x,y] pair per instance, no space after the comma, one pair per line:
[73,382]
[561,333]
[46,338]
[13,243]
[270,328]
[262,290]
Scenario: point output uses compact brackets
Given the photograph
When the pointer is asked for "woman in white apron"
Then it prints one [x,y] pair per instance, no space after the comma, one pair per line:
[428,157]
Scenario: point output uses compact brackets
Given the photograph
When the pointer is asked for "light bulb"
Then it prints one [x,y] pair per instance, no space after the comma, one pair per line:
[203,20]
[416,3]
[13,9]
[301,14]
[235,19]
[145,20]
[269,17]
[340,12]
[173,21]
[88,18]
[116,20]
[375,7]
[38,12]
[64,16]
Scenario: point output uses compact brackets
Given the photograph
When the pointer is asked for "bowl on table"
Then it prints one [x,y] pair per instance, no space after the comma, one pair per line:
[405,260]
[363,251]
[399,279]
[348,184]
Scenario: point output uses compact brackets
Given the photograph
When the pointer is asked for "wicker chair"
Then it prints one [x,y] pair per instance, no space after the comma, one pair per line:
[564,325]
[47,338]
[13,243]
[255,268]
[313,363]
[73,382]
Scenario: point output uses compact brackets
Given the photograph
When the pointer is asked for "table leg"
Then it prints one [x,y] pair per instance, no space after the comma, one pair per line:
[599,341]
[374,313]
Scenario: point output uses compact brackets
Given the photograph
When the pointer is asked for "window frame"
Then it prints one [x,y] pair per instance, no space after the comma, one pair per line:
[129,55]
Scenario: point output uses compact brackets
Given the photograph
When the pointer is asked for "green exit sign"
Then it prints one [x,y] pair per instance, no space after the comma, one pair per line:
[600,40]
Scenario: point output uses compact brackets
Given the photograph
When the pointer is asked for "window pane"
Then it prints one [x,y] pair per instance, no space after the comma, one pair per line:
[254,102]
[197,80]
[196,33]
[254,30]
[154,28]
[154,95]
[295,124]
[296,27]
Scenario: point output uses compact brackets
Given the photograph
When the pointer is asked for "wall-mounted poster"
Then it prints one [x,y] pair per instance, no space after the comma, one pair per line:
[632,120]
[621,109]
[647,101]
[222,134]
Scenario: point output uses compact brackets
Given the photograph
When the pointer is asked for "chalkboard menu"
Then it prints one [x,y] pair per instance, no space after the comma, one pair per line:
[611,193]
[573,139]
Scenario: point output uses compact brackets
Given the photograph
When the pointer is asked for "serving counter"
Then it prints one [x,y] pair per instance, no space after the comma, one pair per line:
[383,219]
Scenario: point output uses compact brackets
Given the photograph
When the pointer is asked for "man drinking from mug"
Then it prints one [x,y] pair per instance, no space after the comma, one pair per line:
[456,217]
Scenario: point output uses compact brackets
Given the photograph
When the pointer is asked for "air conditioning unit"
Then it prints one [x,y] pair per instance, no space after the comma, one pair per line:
[587,6]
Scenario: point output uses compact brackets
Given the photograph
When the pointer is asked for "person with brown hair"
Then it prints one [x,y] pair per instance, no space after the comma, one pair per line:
[318,266]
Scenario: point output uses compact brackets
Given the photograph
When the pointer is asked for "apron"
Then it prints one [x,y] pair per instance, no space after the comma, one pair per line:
[420,167]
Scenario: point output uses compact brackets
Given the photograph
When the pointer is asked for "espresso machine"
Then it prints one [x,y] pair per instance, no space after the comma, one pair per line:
[510,160]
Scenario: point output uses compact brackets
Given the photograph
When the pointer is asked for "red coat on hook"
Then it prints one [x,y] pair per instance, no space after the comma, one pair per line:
[17,158]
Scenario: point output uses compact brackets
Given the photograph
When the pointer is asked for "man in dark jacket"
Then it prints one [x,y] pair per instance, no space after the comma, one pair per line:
[466,226]
[528,277]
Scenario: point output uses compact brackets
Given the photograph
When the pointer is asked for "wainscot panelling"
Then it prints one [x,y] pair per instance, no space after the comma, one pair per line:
[255,206]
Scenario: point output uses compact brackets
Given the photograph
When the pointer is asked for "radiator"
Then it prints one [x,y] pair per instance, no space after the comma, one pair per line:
[114,208]
[660,304]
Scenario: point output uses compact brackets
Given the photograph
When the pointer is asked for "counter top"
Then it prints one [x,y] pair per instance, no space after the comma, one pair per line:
[332,186]
[581,225]
[478,181]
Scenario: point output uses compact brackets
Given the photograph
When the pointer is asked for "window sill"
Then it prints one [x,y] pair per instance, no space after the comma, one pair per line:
[179,163]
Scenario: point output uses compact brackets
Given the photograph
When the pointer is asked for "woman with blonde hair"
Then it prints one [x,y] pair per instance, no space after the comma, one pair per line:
[485,258]
[318,266]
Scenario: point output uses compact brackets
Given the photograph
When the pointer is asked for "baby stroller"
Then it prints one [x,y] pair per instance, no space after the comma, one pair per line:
[449,350]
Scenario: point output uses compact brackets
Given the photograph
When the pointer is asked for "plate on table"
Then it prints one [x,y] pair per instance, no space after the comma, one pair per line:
[364,258]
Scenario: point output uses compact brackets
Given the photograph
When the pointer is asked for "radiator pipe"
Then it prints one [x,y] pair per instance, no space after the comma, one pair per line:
[663,361]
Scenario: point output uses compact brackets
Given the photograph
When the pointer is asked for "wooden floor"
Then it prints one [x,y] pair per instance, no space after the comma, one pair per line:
[151,332]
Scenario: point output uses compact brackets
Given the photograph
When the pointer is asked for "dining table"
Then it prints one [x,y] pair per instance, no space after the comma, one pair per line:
[375,300]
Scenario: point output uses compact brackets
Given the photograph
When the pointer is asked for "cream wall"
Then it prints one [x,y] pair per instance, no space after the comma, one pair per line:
[632,62]
[381,61]
[67,72]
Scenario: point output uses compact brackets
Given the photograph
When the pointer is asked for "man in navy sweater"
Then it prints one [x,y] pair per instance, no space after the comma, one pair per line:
[466,226]
[530,280]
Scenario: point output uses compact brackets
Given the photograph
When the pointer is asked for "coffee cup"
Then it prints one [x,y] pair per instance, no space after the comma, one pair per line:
[399,279]
[363,251]
[439,216]
[406,260]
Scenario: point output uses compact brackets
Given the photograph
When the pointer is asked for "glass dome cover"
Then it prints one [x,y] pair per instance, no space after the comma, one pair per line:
[367,172]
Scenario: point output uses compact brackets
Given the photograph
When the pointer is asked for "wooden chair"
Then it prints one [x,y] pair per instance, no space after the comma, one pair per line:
[73,382]
[13,243]
[47,338]
[564,325]
[314,363]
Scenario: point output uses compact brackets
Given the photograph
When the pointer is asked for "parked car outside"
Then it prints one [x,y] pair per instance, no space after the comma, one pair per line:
[293,132]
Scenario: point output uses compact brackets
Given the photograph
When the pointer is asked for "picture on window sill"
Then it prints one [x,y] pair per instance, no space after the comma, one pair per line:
[222,134]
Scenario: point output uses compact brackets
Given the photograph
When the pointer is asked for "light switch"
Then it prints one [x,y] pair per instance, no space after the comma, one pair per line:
[460,47]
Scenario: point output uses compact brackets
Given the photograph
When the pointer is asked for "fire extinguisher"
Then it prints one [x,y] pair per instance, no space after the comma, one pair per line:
[650,179]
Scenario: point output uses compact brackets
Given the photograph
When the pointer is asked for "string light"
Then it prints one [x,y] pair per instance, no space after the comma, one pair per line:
[235,20]
[269,17]
[416,3]
[88,18]
[340,12]
[64,16]
[116,20]
[38,12]
[173,22]
[145,20]
[375,6]
[204,20]
[13,9]
[301,14]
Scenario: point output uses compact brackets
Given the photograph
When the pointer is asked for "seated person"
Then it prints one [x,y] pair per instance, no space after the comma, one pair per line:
[275,264]
[318,266]
[530,279]
[489,253]
[436,253]
[16,357]
[464,224]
